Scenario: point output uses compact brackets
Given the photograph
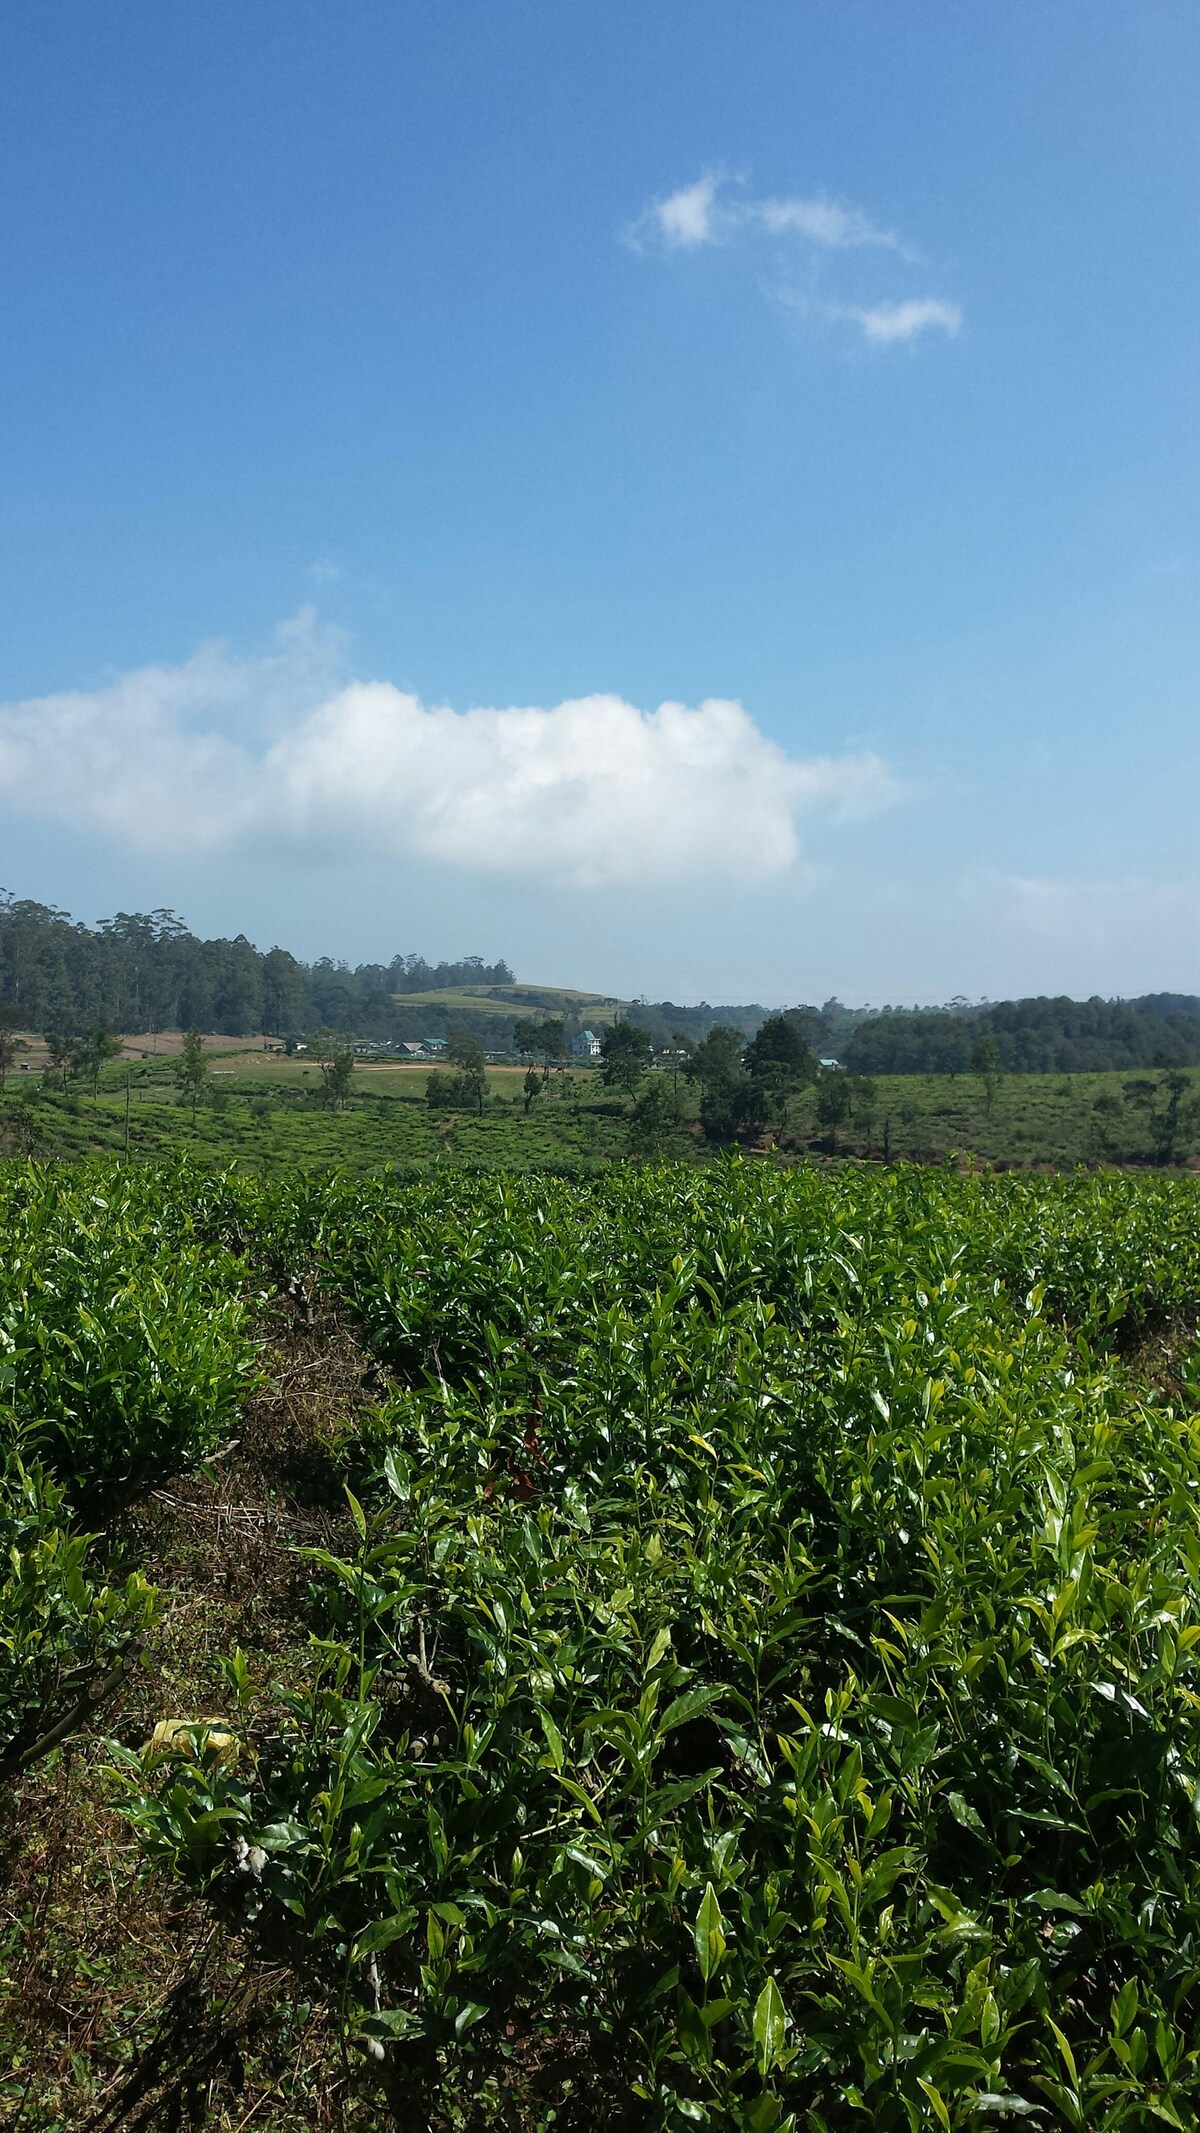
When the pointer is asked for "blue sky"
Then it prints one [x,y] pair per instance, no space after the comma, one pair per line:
[826,372]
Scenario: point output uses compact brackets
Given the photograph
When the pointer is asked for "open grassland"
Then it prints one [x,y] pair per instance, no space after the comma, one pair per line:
[263,1108]
[686,1647]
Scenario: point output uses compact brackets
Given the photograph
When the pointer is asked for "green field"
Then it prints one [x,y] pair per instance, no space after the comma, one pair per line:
[689,1646]
[264,1108]
[508,1002]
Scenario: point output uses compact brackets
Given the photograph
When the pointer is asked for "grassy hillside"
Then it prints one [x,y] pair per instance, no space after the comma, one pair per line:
[505,1004]
[559,999]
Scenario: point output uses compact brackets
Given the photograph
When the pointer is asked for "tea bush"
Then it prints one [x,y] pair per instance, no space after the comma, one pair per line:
[124,1354]
[64,1632]
[123,1341]
[769,1651]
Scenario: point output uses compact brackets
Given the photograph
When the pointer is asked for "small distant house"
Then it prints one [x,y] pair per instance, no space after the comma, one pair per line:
[830,1066]
[586,1045]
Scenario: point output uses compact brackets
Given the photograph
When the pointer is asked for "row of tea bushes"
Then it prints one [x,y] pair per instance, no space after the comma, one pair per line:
[768,1658]
[124,1355]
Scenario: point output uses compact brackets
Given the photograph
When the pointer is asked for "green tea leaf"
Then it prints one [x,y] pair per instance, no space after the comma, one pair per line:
[709,1934]
[769,2028]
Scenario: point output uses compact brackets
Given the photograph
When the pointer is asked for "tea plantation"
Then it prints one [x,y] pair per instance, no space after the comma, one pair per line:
[680,1648]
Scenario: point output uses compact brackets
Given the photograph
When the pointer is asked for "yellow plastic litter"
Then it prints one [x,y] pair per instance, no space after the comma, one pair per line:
[205,1737]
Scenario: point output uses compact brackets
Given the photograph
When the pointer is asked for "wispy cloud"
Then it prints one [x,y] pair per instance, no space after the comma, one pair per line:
[593,792]
[717,209]
[831,223]
[886,324]
[1122,919]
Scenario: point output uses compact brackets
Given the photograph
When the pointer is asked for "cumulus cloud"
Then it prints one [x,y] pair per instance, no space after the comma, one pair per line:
[593,792]
[886,324]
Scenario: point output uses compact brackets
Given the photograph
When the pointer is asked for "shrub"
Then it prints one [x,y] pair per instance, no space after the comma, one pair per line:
[123,1338]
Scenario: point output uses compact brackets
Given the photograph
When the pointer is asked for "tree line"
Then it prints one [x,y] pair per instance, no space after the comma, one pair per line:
[146,971]
[1035,1036]
[745,1085]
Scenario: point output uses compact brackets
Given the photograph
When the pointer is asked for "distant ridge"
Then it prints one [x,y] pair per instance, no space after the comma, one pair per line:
[147,970]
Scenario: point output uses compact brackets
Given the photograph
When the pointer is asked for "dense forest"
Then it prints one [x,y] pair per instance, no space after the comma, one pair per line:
[1043,1036]
[147,971]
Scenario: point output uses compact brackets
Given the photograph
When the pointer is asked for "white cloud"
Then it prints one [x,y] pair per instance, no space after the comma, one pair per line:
[717,210]
[593,792]
[713,209]
[685,218]
[831,223]
[887,324]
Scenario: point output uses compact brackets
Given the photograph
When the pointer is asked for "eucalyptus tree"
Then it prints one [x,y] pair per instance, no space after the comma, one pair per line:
[191,1069]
